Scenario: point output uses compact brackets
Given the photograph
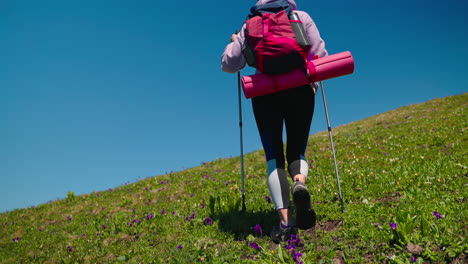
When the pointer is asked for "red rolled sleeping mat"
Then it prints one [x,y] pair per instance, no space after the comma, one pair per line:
[319,69]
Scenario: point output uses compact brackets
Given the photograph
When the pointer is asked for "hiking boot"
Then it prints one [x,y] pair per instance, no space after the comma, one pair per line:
[282,233]
[305,214]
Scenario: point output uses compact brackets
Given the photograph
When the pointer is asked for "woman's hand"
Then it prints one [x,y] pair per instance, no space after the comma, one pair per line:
[233,37]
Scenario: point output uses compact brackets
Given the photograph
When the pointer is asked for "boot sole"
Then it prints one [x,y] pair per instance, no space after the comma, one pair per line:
[305,214]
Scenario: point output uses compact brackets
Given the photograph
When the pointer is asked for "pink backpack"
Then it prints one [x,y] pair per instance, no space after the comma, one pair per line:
[271,43]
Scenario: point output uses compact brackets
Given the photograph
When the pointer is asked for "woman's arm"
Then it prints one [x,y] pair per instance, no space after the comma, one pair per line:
[232,59]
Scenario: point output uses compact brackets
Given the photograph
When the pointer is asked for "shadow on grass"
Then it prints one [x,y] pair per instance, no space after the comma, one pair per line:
[241,224]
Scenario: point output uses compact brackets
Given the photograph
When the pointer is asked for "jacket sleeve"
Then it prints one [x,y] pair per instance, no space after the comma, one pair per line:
[317,44]
[232,59]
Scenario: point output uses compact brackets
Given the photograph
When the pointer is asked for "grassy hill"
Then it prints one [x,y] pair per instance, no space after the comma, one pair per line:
[404,179]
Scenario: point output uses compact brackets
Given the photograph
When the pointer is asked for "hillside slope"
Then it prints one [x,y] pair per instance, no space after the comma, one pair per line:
[404,180]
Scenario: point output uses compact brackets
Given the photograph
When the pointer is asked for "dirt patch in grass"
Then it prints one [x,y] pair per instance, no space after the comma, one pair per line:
[389,198]
[463,258]
[329,225]
[159,189]
[249,257]
[129,238]
[339,259]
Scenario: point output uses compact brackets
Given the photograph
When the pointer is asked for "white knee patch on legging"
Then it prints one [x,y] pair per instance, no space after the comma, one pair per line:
[274,185]
[304,167]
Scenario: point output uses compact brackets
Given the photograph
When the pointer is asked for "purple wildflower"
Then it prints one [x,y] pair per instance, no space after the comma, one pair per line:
[163,211]
[292,238]
[104,227]
[111,190]
[293,242]
[132,222]
[393,226]
[437,215]
[291,248]
[139,221]
[69,248]
[179,246]
[298,240]
[227,183]
[173,213]
[149,217]
[208,221]
[147,189]
[203,206]
[268,199]
[69,218]
[192,216]
[414,259]
[258,229]
[16,239]
[297,257]
[255,246]
[192,195]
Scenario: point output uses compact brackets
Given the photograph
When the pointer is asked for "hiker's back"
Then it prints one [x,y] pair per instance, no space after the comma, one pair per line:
[275,39]
[236,54]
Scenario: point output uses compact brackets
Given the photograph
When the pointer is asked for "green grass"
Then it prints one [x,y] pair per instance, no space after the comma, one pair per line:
[397,167]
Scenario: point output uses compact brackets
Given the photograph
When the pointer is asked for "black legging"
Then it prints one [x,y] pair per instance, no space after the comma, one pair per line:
[294,108]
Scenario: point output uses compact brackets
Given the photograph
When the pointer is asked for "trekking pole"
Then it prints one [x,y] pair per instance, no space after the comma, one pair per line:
[332,147]
[241,140]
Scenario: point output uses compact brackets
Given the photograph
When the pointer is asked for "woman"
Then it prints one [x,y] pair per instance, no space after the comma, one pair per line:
[294,108]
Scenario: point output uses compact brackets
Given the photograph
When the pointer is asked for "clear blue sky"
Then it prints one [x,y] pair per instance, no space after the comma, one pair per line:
[96,94]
